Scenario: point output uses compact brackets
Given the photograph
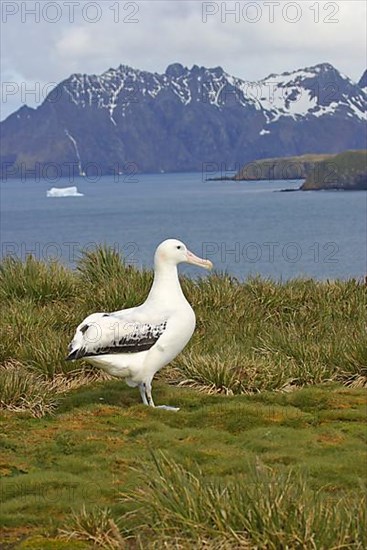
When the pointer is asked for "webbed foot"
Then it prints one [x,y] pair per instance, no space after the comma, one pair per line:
[167,408]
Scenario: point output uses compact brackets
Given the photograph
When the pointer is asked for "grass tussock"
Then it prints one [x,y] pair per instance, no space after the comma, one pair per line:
[181,508]
[40,282]
[262,509]
[251,336]
[96,526]
[24,391]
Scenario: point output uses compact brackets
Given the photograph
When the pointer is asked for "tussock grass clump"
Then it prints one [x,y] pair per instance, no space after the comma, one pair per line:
[225,373]
[35,280]
[100,264]
[96,526]
[261,509]
[265,335]
[26,392]
[109,283]
[210,373]
[34,335]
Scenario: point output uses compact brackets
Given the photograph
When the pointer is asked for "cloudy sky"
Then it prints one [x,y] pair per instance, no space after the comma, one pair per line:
[43,42]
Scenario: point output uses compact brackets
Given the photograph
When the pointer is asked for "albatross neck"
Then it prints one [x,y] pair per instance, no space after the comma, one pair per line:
[166,285]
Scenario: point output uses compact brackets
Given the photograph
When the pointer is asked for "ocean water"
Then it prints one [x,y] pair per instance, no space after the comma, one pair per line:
[244,228]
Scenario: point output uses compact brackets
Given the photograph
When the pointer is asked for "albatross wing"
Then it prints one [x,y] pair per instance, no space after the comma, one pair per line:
[108,333]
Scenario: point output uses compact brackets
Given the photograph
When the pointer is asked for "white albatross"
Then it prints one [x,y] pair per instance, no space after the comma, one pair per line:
[136,343]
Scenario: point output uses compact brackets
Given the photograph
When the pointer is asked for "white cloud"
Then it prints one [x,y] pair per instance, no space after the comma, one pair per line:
[169,31]
[76,42]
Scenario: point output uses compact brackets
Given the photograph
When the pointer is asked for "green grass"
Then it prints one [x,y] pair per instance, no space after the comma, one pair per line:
[24,391]
[273,409]
[260,508]
[281,168]
[347,169]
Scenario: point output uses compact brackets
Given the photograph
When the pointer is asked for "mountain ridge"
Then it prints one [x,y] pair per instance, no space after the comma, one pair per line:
[183,119]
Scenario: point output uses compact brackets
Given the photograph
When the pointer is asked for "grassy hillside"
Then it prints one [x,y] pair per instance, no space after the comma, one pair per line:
[267,451]
[346,170]
[280,168]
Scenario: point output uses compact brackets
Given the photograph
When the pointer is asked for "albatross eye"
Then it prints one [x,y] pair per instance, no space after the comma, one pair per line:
[178,247]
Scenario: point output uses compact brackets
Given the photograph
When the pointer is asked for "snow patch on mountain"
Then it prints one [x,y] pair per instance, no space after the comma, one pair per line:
[309,92]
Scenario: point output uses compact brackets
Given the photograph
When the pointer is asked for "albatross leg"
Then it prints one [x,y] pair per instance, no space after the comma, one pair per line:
[149,398]
[148,393]
[143,394]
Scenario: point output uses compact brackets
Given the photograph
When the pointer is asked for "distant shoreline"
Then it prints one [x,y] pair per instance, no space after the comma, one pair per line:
[345,171]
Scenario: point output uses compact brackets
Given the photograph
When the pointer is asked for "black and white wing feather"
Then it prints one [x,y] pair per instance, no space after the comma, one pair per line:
[107,333]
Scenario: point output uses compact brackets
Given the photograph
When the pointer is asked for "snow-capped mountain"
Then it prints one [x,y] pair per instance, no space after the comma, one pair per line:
[363,81]
[185,119]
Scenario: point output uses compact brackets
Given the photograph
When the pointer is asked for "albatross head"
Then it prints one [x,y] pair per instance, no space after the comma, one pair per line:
[175,252]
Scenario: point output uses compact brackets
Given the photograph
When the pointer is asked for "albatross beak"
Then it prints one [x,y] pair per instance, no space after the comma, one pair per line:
[195,260]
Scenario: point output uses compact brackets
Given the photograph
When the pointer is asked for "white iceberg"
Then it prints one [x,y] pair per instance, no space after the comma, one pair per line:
[64,192]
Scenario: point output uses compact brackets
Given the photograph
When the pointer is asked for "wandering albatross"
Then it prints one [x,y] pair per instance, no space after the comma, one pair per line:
[136,343]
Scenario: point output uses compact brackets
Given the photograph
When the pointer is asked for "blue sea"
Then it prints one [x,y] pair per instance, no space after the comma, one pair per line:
[244,228]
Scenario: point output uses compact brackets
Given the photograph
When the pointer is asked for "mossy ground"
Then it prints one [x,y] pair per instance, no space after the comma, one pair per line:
[92,449]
